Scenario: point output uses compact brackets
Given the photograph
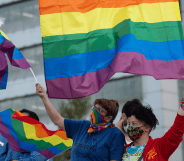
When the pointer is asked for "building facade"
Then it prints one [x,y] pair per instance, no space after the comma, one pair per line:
[22,26]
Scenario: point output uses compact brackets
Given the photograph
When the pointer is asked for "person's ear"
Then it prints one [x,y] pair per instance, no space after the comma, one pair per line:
[147,129]
[108,118]
[123,116]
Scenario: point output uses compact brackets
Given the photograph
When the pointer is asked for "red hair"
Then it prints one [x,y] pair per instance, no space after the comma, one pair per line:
[110,105]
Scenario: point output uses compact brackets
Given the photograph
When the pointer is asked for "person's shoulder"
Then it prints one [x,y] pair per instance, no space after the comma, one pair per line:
[85,123]
[77,122]
[116,131]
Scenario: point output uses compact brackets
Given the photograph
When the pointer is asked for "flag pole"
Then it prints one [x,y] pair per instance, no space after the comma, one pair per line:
[33,75]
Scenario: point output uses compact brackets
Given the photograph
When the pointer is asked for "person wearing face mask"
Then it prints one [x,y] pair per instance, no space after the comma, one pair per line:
[143,148]
[97,140]
[122,123]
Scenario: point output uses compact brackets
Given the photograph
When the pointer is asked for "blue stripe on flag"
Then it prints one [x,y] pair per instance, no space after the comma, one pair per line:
[2,38]
[4,80]
[17,54]
[55,150]
[79,64]
[6,119]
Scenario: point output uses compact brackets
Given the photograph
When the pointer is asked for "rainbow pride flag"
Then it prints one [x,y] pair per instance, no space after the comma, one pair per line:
[14,55]
[25,134]
[85,42]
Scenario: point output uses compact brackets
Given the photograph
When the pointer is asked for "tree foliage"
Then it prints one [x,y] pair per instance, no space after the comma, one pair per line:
[75,108]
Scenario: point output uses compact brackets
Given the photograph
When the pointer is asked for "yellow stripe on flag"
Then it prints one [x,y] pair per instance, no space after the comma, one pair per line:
[104,18]
[30,133]
[3,34]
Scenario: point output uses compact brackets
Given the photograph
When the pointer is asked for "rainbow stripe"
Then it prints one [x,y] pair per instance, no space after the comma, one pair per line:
[85,42]
[96,117]
[25,134]
[93,128]
[14,55]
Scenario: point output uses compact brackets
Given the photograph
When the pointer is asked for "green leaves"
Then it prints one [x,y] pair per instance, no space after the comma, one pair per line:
[75,108]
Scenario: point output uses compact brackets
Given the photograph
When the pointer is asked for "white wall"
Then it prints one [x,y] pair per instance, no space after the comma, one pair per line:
[26,38]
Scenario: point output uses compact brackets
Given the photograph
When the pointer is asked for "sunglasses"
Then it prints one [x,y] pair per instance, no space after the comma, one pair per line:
[97,108]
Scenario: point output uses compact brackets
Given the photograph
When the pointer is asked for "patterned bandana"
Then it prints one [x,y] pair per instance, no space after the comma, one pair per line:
[182,103]
[96,117]
[94,128]
[134,132]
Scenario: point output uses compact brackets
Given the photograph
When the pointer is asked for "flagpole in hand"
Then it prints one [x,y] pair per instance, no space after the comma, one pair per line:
[33,75]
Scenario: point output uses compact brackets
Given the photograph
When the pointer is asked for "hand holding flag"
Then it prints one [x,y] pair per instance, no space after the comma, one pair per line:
[40,91]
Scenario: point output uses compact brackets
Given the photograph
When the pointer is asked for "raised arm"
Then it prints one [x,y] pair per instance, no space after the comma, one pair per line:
[174,135]
[54,115]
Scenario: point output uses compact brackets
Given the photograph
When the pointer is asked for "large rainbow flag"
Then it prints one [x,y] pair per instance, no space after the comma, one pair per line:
[25,134]
[85,42]
[15,56]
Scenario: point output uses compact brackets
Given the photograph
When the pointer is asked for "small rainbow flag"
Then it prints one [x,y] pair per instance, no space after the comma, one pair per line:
[25,134]
[85,42]
[14,55]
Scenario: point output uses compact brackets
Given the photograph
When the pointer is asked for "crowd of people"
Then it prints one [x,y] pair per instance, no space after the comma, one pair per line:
[101,140]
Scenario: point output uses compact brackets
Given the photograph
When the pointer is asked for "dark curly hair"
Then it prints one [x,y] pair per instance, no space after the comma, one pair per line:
[110,105]
[128,108]
[143,113]
[31,114]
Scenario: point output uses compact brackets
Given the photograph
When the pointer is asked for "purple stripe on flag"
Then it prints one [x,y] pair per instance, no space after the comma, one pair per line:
[136,63]
[127,62]
[11,140]
[7,46]
[78,86]
[3,64]
[47,153]
[22,63]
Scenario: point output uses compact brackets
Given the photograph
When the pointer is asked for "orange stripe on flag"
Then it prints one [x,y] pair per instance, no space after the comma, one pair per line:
[20,114]
[41,131]
[59,6]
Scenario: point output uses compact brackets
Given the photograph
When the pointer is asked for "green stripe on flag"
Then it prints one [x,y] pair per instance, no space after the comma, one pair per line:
[19,129]
[104,39]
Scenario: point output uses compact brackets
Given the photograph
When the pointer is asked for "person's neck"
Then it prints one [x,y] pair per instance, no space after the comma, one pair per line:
[143,140]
